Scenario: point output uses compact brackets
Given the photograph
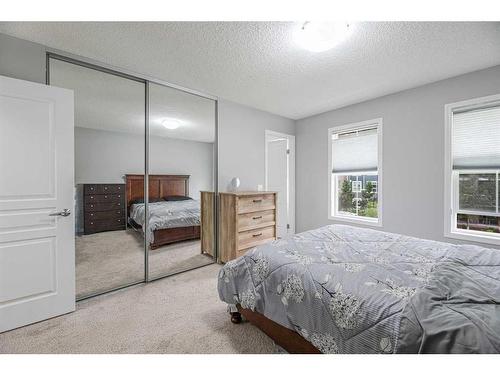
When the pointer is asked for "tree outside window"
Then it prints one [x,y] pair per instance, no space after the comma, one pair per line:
[360,202]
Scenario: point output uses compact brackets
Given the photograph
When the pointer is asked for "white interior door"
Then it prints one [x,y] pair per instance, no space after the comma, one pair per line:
[280,169]
[37,251]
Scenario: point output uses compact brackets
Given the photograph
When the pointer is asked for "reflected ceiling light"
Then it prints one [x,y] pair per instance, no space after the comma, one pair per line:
[171,123]
[318,36]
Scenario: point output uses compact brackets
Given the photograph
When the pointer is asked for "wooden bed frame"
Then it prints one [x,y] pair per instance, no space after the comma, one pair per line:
[160,186]
[289,340]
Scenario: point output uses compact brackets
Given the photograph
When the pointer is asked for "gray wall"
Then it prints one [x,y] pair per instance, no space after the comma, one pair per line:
[242,129]
[242,143]
[413,154]
[105,157]
[22,59]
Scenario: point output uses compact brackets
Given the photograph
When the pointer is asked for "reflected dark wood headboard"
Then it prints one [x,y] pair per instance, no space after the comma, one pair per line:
[160,185]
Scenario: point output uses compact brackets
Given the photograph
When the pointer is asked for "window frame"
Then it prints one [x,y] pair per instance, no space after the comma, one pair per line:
[451,177]
[333,213]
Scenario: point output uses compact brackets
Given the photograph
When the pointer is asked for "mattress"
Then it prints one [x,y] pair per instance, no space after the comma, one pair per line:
[167,214]
[352,290]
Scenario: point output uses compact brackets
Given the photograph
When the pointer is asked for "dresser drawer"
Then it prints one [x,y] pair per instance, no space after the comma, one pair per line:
[255,237]
[98,206]
[255,220]
[255,203]
[103,198]
[103,189]
[101,215]
[92,225]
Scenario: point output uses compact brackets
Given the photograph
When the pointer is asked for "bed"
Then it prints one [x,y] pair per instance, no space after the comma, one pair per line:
[170,221]
[343,289]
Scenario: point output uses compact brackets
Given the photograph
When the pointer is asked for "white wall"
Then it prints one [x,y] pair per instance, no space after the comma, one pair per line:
[105,157]
[413,154]
[242,142]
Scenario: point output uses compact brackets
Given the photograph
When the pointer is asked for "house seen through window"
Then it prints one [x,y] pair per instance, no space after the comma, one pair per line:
[355,167]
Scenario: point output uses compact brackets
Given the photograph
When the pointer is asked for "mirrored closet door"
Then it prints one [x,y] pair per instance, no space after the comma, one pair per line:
[182,151]
[109,136]
[145,175]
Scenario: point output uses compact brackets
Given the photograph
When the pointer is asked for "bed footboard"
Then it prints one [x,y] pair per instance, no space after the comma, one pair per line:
[289,340]
[171,235]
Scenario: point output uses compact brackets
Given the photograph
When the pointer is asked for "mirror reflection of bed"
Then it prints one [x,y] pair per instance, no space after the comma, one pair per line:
[174,222]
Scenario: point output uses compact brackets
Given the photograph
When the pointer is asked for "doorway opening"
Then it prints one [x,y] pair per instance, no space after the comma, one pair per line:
[280,177]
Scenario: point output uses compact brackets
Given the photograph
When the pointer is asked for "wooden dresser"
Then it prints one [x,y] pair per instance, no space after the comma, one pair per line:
[246,219]
[103,207]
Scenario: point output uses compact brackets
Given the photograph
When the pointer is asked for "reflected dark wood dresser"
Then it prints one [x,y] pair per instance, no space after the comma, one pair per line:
[103,208]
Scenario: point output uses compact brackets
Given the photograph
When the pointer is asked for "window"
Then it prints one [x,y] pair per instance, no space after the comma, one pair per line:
[473,170]
[355,170]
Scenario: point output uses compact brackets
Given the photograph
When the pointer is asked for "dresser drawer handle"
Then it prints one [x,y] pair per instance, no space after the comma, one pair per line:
[105,197]
[257,200]
[257,217]
[257,234]
[105,188]
[91,223]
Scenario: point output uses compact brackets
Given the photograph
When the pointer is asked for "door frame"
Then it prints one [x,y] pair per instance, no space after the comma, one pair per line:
[291,173]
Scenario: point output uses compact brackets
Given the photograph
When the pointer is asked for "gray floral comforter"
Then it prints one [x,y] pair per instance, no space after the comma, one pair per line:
[167,214]
[354,290]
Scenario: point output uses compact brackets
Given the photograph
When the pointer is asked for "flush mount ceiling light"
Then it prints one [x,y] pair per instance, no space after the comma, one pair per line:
[171,123]
[317,36]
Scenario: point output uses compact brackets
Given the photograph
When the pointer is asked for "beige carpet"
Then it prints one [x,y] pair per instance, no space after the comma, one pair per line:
[179,314]
[108,260]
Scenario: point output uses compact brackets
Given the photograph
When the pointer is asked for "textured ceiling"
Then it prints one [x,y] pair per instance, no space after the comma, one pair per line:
[258,64]
[107,102]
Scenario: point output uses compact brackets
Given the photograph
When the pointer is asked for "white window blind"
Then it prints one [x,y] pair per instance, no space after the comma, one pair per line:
[355,151]
[476,139]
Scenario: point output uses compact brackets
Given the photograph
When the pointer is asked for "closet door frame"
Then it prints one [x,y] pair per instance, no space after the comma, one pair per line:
[124,73]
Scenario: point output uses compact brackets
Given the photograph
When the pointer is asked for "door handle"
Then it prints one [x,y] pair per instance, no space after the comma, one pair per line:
[65,212]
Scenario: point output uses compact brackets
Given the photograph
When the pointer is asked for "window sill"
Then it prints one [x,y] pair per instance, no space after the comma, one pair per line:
[358,220]
[474,237]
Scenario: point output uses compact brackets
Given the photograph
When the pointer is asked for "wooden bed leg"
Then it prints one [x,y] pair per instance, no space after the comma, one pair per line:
[235,317]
